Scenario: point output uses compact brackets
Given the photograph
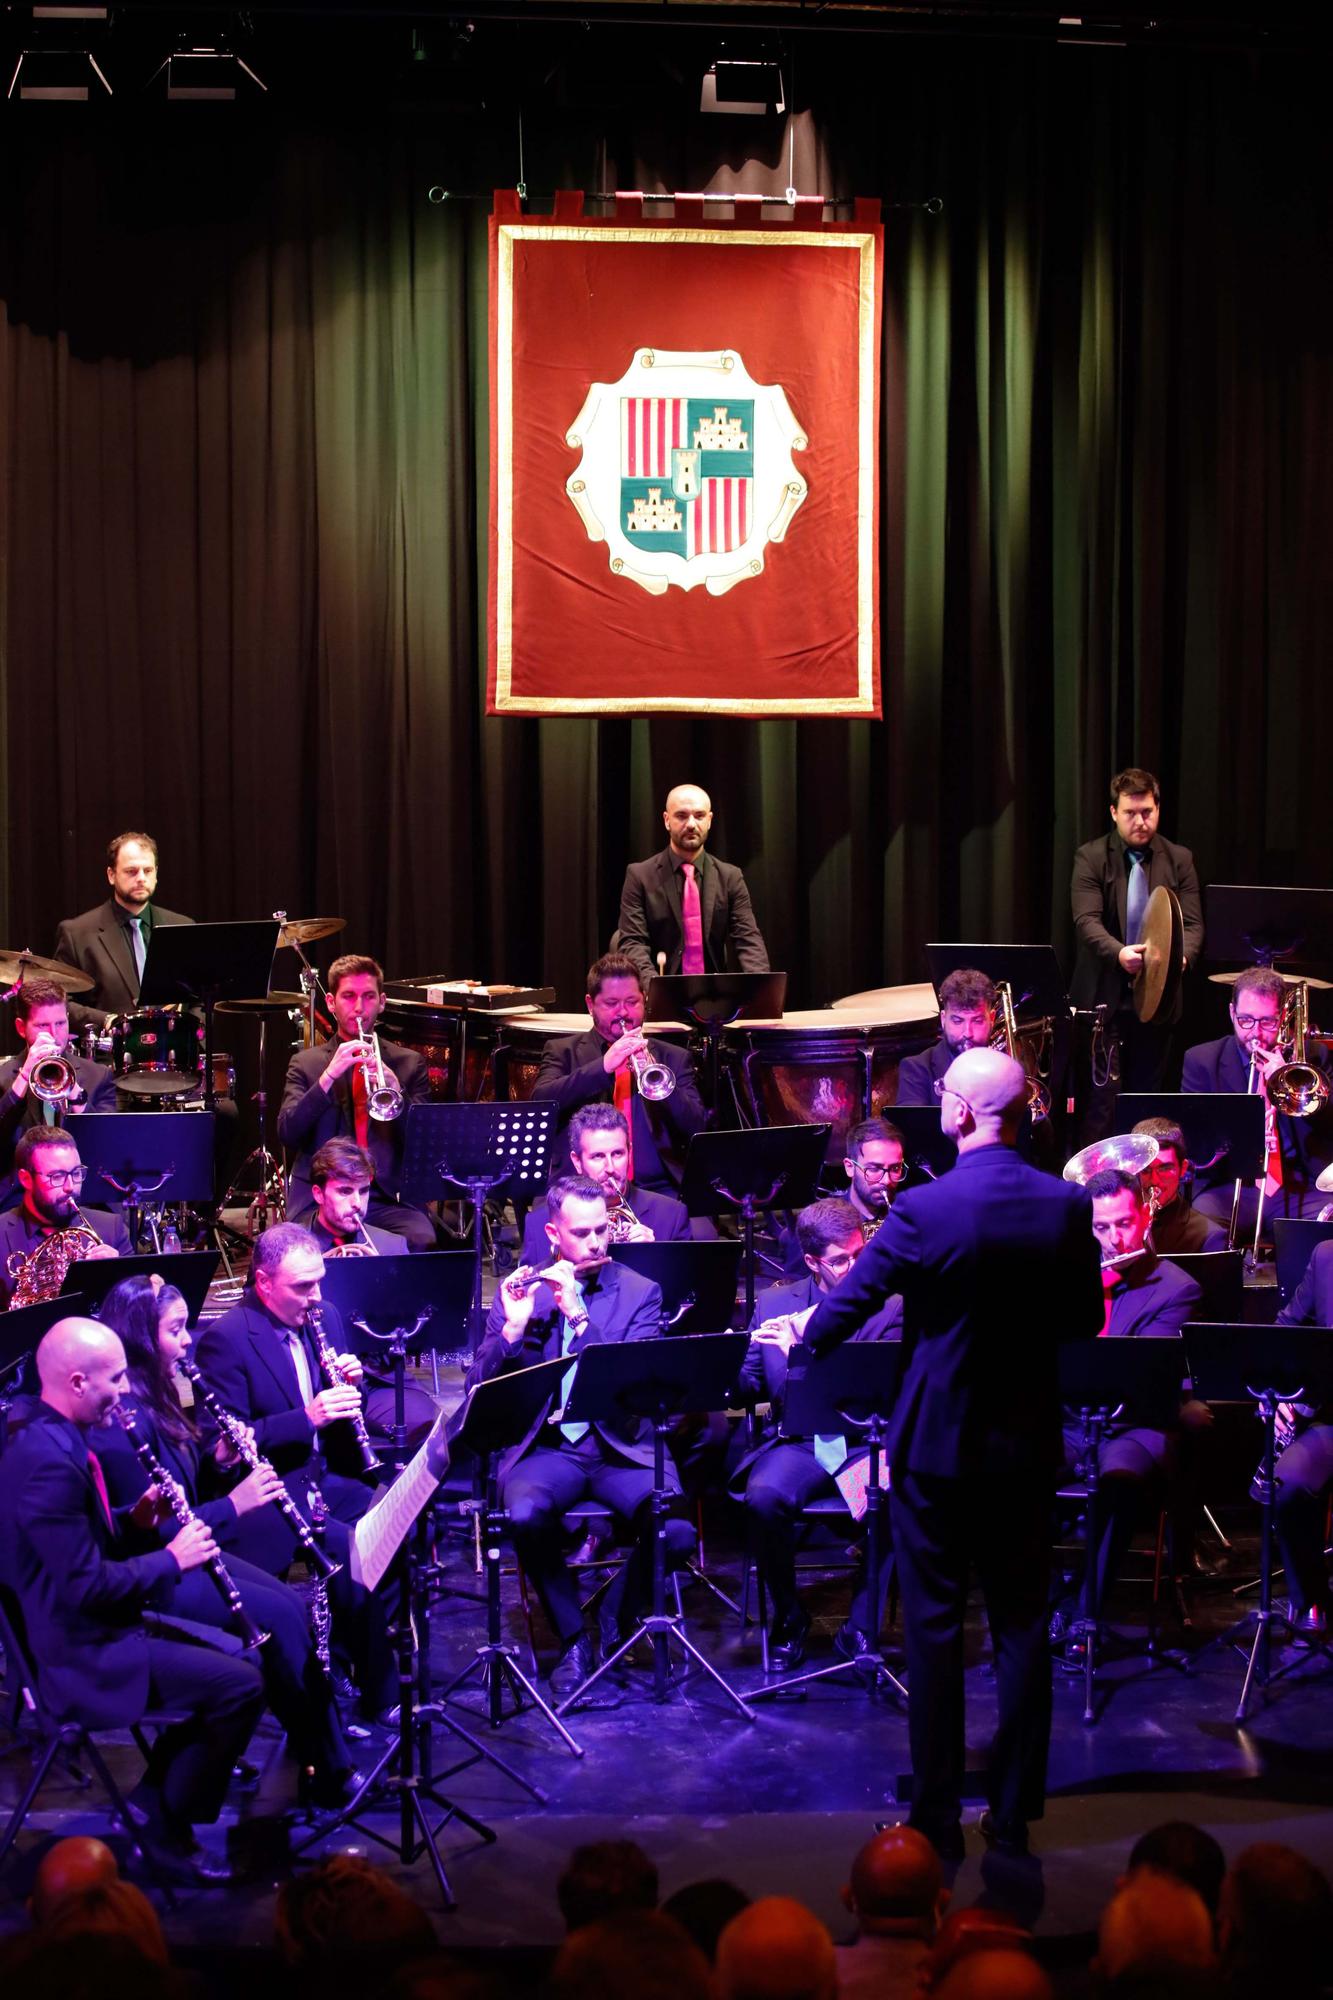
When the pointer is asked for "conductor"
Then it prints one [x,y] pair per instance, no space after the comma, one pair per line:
[996,1264]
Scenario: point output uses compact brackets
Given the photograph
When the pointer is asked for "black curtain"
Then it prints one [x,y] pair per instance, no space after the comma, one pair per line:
[244,388]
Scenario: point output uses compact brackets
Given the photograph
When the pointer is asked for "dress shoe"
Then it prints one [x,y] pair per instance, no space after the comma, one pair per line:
[1308,1621]
[1004,1836]
[328,1790]
[575,1664]
[947,1841]
[786,1641]
[183,1862]
[853,1643]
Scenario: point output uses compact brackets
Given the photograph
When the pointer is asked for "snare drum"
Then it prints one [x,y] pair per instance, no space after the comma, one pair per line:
[157,1052]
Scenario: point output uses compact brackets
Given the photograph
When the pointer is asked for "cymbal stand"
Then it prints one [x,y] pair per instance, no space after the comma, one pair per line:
[271,1189]
[310,982]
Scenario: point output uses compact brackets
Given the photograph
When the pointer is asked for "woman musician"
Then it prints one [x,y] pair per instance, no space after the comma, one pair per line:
[153,1330]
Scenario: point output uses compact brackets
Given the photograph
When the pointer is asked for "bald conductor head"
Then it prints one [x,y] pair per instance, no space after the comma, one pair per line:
[983,1096]
[687,818]
[82,1370]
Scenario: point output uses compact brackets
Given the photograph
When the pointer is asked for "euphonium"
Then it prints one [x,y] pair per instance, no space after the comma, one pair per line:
[1296,1088]
[1039,1097]
[384,1093]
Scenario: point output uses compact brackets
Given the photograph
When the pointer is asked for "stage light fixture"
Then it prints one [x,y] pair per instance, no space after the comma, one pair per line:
[56,76]
[751,89]
[212,75]
[76,10]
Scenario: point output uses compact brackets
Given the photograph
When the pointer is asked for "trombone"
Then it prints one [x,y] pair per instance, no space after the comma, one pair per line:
[1006,1035]
[384,1093]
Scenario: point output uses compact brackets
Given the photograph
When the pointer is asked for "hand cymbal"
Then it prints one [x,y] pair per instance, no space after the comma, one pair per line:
[19,965]
[307,930]
[265,1003]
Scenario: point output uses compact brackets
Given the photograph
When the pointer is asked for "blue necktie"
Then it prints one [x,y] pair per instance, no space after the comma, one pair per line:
[570,1432]
[1136,902]
[140,948]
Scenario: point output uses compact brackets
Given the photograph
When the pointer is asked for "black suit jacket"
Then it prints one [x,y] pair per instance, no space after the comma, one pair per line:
[668,1219]
[1098,893]
[765,1369]
[98,943]
[571,1075]
[1312,1301]
[20,1236]
[81,1604]
[1306,1144]
[918,1075]
[996,1264]
[651,919]
[310,1116]
[126,1478]
[17,1113]
[620,1306]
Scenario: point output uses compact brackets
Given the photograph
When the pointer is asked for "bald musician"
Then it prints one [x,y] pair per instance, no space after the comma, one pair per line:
[84,1604]
[996,1264]
[686,907]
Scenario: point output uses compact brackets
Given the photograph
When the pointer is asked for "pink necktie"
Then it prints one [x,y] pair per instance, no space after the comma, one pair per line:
[692,958]
[99,1482]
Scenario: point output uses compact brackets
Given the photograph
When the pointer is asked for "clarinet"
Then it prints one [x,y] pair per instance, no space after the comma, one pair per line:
[238,1437]
[328,1361]
[176,1495]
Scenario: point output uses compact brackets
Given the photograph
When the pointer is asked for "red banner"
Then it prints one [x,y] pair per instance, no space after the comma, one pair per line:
[684,448]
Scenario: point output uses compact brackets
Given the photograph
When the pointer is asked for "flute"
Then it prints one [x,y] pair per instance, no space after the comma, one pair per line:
[328,1361]
[179,1502]
[238,1437]
[520,1286]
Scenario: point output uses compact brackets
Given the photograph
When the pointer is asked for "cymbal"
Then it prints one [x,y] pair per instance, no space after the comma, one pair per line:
[1287,978]
[18,965]
[266,1003]
[307,930]
[1163,941]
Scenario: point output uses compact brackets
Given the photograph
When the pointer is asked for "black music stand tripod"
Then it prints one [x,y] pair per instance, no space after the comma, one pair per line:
[1097,1379]
[659,1379]
[500,1414]
[849,1390]
[751,1173]
[1270,1365]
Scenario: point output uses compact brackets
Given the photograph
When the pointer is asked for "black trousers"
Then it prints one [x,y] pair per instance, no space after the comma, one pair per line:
[540,1490]
[781,1483]
[295,1685]
[222,1698]
[941,1527]
[1304,1475]
[1134,1466]
[419,1414]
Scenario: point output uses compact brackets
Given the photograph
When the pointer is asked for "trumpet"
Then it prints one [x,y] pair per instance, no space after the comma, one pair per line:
[178,1500]
[384,1093]
[53,1081]
[654,1079]
[328,1361]
[238,1437]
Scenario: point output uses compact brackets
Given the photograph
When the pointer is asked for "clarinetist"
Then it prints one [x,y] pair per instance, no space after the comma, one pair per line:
[83,1599]
[260,1363]
[579,1299]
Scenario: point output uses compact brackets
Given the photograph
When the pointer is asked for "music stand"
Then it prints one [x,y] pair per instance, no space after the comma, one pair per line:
[1294,1242]
[849,1389]
[190,1271]
[1097,1378]
[482,1148]
[21,1328]
[772,1166]
[400,1305]
[499,1415]
[200,964]
[1220,1276]
[660,1379]
[1218,1125]
[149,1162]
[1259,926]
[1266,1365]
[1032,971]
[697,1280]
[712,1001]
[929,1152]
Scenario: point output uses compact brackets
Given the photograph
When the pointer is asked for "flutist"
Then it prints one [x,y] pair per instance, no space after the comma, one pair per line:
[577,1299]
[357,1086]
[152,1326]
[83,1600]
[261,1363]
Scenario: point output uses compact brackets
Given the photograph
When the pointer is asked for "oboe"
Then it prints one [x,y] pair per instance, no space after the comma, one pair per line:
[328,1361]
[238,1437]
[178,1500]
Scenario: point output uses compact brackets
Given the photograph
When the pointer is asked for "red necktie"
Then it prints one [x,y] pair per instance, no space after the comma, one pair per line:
[1110,1279]
[99,1481]
[622,1096]
[692,957]
[360,1112]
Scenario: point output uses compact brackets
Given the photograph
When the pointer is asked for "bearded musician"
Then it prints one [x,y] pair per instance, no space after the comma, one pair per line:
[48,1231]
[967,1021]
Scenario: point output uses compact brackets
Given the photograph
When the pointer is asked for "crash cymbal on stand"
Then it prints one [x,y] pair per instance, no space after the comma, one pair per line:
[16,966]
[266,1003]
[1287,978]
[308,930]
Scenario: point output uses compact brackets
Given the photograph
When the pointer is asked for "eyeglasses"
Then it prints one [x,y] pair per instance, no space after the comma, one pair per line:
[872,1170]
[943,1090]
[64,1177]
[839,1262]
[1247,1021]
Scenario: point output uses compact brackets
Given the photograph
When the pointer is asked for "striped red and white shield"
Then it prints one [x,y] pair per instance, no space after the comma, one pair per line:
[651,428]
[721,518]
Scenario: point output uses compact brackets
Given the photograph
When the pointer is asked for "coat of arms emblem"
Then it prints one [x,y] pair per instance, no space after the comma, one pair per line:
[687,472]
